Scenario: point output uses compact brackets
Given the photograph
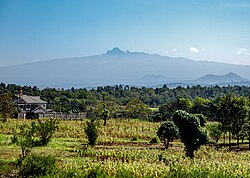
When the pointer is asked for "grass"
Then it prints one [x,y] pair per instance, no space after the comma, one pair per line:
[117,155]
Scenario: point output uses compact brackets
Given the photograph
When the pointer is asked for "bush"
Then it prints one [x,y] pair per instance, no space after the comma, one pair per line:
[91,132]
[168,130]
[38,165]
[44,130]
[38,134]
[155,140]
[96,173]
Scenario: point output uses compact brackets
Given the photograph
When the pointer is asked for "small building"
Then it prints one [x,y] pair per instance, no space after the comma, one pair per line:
[30,106]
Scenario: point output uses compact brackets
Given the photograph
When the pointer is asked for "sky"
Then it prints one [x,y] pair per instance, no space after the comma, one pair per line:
[39,30]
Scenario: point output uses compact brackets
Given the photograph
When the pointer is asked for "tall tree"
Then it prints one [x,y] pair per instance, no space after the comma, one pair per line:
[191,133]
[6,106]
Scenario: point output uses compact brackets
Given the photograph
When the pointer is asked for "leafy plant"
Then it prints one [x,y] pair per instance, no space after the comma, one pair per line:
[215,130]
[38,165]
[168,130]
[24,137]
[43,130]
[6,106]
[191,133]
[91,132]
[38,134]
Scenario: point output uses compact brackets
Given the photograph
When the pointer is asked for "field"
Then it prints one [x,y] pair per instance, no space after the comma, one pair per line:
[123,150]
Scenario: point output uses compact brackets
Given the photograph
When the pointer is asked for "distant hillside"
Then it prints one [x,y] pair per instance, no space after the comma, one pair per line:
[115,67]
[217,79]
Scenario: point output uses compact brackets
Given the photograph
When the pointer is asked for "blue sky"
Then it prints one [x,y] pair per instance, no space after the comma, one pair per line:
[37,30]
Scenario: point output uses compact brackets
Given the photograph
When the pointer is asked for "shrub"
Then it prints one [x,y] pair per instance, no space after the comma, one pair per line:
[91,132]
[167,130]
[215,130]
[38,134]
[96,173]
[38,165]
[44,130]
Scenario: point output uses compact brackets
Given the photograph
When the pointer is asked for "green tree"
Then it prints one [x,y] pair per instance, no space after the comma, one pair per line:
[168,130]
[6,106]
[91,132]
[201,106]
[105,112]
[105,115]
[38,133]
[183,104]
[191,133]
[233,113]
[137,109]
[215,130]
[43,130]
[245,132]
[202,119]
[24,137]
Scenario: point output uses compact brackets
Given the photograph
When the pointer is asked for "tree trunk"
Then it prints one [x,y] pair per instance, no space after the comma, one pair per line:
[229,140]
[168,143]
[105,121]
[165,143]
[238,141]
[224,138]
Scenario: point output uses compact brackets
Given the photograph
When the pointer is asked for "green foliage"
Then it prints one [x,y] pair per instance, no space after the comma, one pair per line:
[91,132]
[43,130]
[105,114]
[245,132]
[215,130]
[156,117]
[191,133]
[96,173]
[24,137]
[202,119]
[136,109]
[233,113]
[7,108]
[119,157]
[38,165]
[168,130]
[37,134]
[183,104]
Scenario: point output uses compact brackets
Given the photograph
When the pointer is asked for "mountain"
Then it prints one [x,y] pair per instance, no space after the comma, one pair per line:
[217,79]
[115,67]
[154,77]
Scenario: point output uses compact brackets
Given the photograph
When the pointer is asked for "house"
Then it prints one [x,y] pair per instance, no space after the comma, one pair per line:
[30,106]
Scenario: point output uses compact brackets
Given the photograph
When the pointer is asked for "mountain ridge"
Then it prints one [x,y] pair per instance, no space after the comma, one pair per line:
[114,67]
[216,79]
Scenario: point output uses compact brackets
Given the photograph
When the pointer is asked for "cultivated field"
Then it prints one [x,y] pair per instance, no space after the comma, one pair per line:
[123,150]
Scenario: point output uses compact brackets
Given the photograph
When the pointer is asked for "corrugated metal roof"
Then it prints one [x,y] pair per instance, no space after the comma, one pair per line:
[33,99]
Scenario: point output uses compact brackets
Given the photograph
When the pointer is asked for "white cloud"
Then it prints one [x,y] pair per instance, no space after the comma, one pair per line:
[241,51]
[202,49]
[174,50]
[193,50]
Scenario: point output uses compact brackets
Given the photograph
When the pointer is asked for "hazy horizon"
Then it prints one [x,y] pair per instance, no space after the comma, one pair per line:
[32,31]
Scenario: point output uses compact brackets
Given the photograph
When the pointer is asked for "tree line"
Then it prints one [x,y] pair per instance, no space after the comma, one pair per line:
[79,100]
